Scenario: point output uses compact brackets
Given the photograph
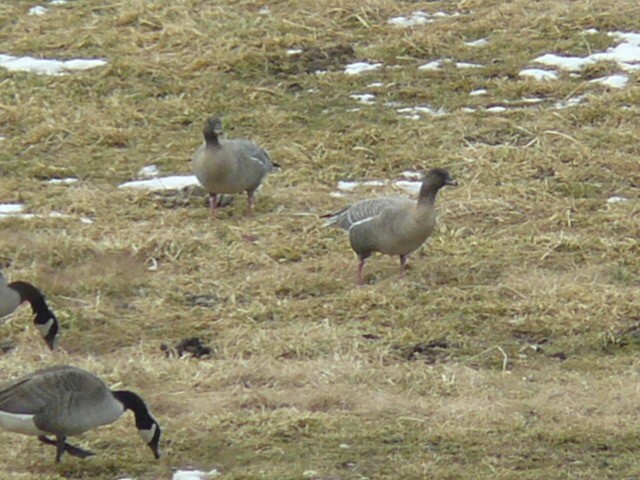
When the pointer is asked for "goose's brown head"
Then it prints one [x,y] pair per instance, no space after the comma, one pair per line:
[212,127]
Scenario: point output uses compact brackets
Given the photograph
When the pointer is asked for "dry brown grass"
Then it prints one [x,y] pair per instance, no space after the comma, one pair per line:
[509,351]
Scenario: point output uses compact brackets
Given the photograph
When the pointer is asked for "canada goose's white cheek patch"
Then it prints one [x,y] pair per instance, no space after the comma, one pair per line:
[19,423]
[43,328]
[147,435]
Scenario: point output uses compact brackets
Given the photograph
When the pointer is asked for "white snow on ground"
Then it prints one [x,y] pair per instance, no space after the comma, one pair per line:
[616,199]
[418,18]
[539,74]
[37,10]
[626,54]
[375,85]
[366,98]
[173,182]
[572,64]
[468,65]
[293,51]
[44,66]
[411,111]
[409,186]
[65,181]
[497,109]
[437,65]
[480,91]
[613,81]
[431,66]
[195,475]
[360,67]
[150,171]
[16,210]
[481,42]
[570,102]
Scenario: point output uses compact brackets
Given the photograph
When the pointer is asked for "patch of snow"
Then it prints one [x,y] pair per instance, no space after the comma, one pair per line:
[349,110]
[416,18]
[44,66]
[573,64]
[16,210]
[633,38]
[150,171]
[480,91]
[360,67]
[293,51]
[468,109]
[613,81]
[497,109]
[425,109]
[57,2]
[375,85]
[626,55]
[173,182]
[11,208]
[468,65]
[320,72]
[65,181]
[195,475]
[532,99]
[37,10]
[570,102]
[431,66]
[347,185]
[336,194]
[539,74]
[477,43]
[591,31]
[412,187]
[366,98]
[616,199]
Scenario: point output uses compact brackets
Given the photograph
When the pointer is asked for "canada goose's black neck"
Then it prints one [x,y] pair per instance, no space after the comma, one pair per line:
[132,401]
[429,191]
[45,320]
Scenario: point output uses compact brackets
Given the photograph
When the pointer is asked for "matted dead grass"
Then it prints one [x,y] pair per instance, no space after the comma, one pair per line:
[508,351]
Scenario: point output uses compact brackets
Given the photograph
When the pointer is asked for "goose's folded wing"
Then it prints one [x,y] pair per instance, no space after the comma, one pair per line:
[362,211]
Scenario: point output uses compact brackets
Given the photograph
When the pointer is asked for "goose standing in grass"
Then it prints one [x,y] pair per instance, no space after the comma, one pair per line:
[229,166]
[65,401]
[13,294]
[392,225]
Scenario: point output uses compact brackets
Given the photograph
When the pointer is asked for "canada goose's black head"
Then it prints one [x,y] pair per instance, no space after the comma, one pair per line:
[212,128]
[147,426]
[44,320]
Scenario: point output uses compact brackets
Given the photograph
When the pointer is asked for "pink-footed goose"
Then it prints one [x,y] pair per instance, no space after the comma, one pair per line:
[229,166]
[13,294]
[392,225]
[65,401]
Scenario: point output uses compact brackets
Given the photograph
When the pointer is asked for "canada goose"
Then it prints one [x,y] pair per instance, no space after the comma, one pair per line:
[65,401]
[229,166]
[392,225]
[13,294]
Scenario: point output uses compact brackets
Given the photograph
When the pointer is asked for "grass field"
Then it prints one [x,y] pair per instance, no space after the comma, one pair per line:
[510,350]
